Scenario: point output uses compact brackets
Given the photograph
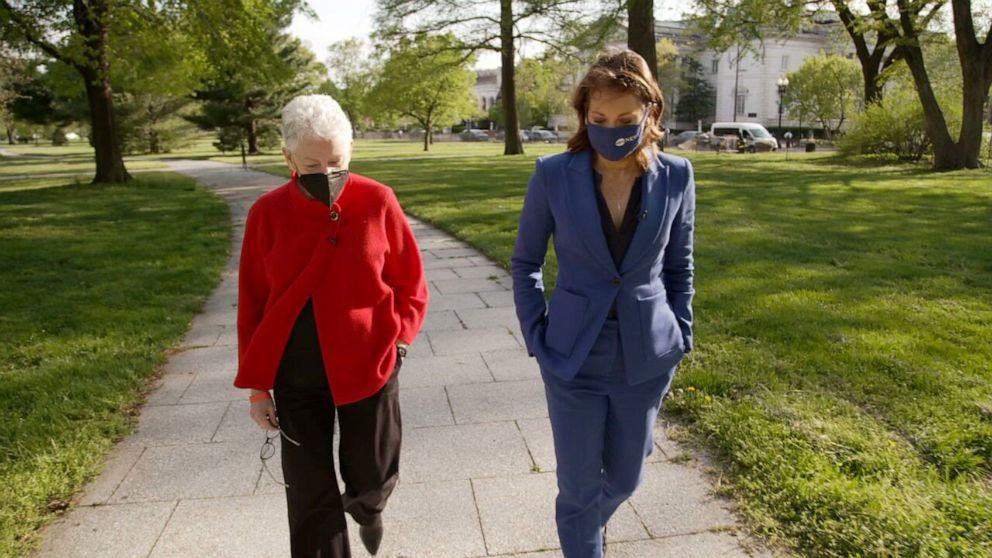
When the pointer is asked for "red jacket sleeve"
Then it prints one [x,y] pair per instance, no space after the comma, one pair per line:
[404,271]
[253,287]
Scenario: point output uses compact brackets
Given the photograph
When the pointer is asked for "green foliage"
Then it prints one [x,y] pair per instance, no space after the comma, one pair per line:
[896,126]
[242,104]
[150,123]
[841,371]
[543,90]
[670,71]
[100,281]
[825,89]
[697,98]
[52,96]
[354,72]
[58,137]
[427,80]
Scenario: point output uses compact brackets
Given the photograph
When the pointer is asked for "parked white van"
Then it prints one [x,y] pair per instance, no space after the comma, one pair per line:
[753,136]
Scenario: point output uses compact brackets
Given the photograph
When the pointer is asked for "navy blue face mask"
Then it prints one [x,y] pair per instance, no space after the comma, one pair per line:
[324,187]
[617,143]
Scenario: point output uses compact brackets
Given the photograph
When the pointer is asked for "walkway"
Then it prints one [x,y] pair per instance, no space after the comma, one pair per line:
[477,466]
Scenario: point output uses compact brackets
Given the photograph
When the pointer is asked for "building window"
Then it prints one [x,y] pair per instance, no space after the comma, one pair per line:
[785,61]
[716,66]
[740,103]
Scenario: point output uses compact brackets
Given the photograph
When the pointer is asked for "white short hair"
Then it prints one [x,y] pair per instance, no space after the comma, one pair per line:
[314,116]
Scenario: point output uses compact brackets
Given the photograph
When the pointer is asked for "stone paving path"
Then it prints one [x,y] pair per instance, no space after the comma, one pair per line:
[477,469]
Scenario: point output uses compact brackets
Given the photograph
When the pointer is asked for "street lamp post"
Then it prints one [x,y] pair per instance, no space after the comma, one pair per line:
[783,84]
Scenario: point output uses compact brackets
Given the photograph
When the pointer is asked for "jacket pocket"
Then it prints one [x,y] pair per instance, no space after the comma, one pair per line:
[660,329]
[566,313]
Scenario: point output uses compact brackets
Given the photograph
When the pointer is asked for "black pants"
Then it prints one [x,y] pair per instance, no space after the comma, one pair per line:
[368,456]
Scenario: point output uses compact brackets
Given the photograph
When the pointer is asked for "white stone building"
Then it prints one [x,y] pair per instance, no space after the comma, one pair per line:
[747,92]
[487,88]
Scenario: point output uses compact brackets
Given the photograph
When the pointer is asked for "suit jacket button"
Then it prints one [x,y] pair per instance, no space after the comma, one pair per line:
[332,240]
[334,216]
[616,281]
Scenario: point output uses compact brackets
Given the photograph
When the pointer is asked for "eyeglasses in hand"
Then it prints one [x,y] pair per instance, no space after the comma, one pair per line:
[269,449]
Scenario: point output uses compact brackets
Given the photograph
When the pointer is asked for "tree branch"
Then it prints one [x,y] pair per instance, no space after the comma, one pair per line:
[31,35]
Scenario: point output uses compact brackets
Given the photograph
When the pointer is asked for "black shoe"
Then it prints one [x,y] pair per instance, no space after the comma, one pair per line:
[371,535]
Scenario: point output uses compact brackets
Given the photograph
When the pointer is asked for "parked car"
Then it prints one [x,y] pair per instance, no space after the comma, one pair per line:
[539,134]
[501,135]
[753,136]
[473,135]
[683,137]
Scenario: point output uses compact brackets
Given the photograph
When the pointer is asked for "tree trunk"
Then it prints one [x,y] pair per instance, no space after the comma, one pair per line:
[872,61]
[945,152]
[10,135]
[91,20]
[154,145]
[873,93]
[512,144]
[976,66]
[427,136]
[252,131]
[640,32]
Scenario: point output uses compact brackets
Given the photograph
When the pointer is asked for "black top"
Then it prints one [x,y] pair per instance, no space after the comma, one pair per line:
[301,364]
[618,240]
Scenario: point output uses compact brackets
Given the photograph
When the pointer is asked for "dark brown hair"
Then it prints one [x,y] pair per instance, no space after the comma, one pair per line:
[622,71]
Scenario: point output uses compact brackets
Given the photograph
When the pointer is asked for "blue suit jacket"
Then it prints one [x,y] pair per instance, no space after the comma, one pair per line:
[652,286]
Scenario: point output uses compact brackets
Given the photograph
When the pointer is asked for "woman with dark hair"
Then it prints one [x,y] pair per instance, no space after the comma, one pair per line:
[620,318]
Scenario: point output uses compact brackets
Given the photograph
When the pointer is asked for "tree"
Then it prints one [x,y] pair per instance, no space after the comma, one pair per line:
[824,89]
[669,74]
[353,75]
[896,124]
[496,25]
[242,104]
[48,94]
[426,79]
[640,31]
[976,64]
[78,36]
[697,99]
[11,75]
[903,28]
[544,91]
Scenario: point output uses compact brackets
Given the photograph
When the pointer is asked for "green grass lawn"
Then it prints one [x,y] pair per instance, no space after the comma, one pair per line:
[99,281]
[843,366]
[29,160]
[78,157]
[382,149]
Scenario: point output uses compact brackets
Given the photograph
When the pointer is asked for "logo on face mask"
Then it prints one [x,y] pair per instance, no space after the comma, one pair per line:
[617,143]
[624,141]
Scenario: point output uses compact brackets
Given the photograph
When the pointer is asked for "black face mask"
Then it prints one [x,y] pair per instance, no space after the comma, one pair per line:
[324,187]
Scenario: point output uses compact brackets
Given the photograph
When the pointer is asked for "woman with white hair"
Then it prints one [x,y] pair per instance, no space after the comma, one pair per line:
[331,293]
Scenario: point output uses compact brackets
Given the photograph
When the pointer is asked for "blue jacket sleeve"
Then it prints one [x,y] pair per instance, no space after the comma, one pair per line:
[527,262]
[677,272]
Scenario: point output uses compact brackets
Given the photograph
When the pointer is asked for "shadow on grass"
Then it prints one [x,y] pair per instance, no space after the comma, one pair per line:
[99,280]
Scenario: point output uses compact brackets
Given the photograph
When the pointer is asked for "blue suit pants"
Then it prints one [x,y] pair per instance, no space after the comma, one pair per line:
[603,431]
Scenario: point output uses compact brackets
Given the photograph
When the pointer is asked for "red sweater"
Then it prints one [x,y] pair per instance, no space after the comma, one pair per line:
[359,262]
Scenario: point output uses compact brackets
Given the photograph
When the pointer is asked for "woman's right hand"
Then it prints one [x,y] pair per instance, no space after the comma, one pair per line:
[264,413]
